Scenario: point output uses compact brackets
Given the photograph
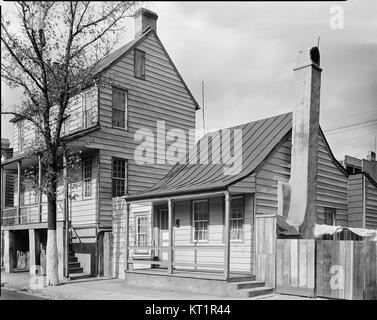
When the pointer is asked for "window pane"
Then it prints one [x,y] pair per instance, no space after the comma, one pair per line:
[119,118]
[200,216]
[139,64]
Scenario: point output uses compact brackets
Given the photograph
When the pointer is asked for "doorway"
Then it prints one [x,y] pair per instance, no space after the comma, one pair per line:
[162,235]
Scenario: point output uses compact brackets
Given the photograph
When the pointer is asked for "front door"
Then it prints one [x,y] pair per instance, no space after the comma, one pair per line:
[163,233]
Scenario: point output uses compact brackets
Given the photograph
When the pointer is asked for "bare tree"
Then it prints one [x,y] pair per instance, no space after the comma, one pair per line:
[74,36]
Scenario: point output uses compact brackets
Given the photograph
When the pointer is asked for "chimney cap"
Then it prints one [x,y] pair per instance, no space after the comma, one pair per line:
[146,12]
[308,57]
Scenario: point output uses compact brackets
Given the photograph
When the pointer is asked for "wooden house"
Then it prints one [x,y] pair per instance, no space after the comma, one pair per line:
[134,87]
[215,219]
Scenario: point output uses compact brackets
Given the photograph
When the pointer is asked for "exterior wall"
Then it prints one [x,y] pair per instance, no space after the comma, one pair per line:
[370,204]
[241,253]
[331,187]
[83,211]
[355,200]
[160,97]
[74,123]
[275,168]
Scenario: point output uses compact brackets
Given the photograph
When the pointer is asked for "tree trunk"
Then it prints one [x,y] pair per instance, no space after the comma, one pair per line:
[52,259]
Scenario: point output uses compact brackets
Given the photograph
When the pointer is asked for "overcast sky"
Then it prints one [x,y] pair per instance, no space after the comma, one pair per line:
[245,53]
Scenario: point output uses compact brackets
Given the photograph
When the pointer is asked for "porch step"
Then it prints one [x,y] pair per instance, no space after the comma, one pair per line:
[249,284]
[242,278]
[79,276]
[259,291]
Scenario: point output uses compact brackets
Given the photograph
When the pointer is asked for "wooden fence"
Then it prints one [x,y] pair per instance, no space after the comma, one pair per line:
[327,268]
[346,269]
[265,244]
[295,267]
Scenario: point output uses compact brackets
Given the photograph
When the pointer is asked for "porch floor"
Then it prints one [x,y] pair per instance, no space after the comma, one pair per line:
[196,274]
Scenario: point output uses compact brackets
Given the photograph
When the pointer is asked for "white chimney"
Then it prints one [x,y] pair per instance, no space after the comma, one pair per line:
[144,19]
[297,199]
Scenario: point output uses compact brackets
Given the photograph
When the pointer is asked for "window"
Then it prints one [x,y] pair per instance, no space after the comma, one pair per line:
[119,177]
[141,231]
[87,177]
[139,64]
[330,216]
[236,218]
[21,136]
[119,108]
[200,219]
[87,110]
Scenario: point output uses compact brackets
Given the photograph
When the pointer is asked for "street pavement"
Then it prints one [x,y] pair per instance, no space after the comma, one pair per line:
[15,295]
[106,289]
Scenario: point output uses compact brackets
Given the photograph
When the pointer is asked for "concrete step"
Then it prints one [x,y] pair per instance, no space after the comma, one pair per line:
[75,270]
[249,284]
[259,291]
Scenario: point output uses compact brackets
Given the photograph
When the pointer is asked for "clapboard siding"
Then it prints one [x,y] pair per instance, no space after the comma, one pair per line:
[331,186]
[355,201]
[370,204]
[275,168]
[82,211]
[73,123]
[241,252]
[246,185]
[160,97]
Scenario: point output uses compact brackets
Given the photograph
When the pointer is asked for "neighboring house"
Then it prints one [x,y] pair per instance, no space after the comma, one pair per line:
[204,221]
[133,88]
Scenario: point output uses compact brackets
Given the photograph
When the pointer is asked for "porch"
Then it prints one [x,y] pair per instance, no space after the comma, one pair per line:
[204,236]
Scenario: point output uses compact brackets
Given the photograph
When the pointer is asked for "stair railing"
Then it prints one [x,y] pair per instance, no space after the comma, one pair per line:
[77,236]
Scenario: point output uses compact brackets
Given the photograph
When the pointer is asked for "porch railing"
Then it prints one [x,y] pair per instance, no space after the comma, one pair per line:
[32,213]
[150,253]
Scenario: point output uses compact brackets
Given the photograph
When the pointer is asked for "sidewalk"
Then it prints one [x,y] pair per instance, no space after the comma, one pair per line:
[108,289]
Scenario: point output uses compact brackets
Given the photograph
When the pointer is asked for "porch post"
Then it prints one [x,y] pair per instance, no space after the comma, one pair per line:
[127,240]
[227,237]
[19,192]
[170,221]
[40,187]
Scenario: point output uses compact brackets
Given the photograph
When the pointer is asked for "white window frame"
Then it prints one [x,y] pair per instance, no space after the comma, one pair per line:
[21,136]
[118,178]
[137,233]
[122,91]
[86,110]
[194,221]
[87,181]
[237,219]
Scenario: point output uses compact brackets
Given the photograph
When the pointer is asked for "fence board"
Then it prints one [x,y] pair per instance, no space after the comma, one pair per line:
[295,267]
[346,269]
[265,231]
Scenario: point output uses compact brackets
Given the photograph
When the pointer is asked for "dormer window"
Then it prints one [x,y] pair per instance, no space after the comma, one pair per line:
[139,64]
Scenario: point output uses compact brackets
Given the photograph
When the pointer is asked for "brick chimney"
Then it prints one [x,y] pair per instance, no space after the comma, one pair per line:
[144,19]
[298,197]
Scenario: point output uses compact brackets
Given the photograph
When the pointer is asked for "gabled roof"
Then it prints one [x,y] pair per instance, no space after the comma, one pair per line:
[259,138]
[114,56]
